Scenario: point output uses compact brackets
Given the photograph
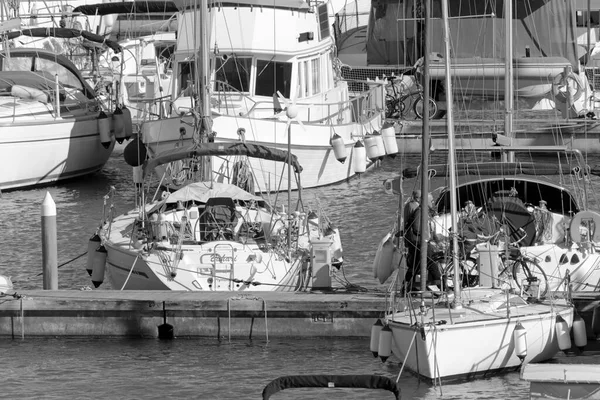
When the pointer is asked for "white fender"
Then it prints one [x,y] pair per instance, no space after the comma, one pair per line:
[359,157]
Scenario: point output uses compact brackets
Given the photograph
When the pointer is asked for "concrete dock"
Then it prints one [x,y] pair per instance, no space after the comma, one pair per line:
[254,315]
[210,314]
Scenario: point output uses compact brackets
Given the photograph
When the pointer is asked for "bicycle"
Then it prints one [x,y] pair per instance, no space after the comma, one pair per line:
[397,101]
[529,277]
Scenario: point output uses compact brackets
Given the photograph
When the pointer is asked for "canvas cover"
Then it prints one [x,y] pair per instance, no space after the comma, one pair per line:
[200,192]
[477,29]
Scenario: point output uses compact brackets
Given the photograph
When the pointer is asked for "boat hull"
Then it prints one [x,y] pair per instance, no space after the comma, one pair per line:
[310,144]
[47,151]
[463,350]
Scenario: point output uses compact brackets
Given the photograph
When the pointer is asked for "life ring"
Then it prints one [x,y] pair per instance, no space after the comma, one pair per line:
[559,87]
[582,223]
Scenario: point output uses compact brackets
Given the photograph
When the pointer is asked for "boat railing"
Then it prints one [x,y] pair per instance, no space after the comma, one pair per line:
[363,105]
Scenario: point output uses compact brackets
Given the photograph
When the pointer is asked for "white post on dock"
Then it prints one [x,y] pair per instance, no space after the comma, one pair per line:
[49,244]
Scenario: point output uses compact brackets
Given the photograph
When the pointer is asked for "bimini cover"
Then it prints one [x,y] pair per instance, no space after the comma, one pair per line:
[331,381]
[200,192]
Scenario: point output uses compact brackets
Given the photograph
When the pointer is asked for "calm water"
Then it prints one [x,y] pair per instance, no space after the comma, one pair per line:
[197,368]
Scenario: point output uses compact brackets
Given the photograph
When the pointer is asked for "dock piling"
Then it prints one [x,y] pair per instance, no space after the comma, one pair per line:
[49,244]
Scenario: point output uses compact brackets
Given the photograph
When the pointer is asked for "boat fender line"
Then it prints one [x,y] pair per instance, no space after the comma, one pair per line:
[165,330]
[375,330]
[563,336]
[99,266]
[579,332]
[93,244]
[384,350]
[339,148]
[560,84]
[119,124]
[359,157]
[104,128]
[579,229]
[520,341]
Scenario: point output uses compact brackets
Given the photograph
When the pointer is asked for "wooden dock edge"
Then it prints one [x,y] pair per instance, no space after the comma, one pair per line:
[192,314]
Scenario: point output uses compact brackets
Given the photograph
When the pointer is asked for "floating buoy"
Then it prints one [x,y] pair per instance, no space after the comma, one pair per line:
[380,144]
[339,148]
[135,153]
[127,122]
[562,333]
[99,266]
[382,265]
[119,125]
[359,157]
[384,350]
[579,333]
[375,330]
[104,128]
[520,341]
[388,133]
[93,244]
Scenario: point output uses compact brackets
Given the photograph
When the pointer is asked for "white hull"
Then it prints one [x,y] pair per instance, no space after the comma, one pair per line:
[310,144]
[48,150]
[473,343]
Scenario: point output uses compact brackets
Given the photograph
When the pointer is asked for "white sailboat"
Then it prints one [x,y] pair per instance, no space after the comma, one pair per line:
[44,89]
[211,235]
[262,54]
[443,336]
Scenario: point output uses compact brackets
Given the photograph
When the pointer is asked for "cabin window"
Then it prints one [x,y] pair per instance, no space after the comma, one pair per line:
[582,18]
[186,78]
[323,21]
[306,79]
[316,75]
[273,76]
[234,72]
[65,77]
[17,64]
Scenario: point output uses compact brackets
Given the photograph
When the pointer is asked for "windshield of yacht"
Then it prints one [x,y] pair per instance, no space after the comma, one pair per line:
[37,64]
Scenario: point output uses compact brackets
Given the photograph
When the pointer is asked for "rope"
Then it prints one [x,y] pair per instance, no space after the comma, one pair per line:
[130,271]
[406,356]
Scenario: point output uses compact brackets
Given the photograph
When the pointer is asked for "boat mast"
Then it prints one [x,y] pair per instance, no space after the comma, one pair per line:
[508,76]
[451,157]
[203,79]
[425,149]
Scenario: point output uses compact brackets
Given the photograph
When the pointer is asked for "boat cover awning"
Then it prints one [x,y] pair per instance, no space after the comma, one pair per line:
[64,33]
[37,80]
[202,191]
[221,149]
[331,381]
[127,7]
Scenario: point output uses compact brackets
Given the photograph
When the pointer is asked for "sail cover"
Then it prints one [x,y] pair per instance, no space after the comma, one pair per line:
[127,7]
[64,33]
[221,149]
[477,29]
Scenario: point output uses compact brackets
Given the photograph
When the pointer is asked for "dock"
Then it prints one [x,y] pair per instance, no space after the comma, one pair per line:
[252,315]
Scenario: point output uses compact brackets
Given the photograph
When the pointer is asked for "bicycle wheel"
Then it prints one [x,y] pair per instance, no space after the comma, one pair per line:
[418,107]
[468,271]
[393,107]
[530,277]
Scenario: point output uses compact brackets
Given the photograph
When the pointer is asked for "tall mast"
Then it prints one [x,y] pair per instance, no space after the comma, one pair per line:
[508,74]
[425,150]
[451,155]
[202,63]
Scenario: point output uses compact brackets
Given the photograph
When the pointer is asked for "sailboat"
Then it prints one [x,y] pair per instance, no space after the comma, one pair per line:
[461,334]
[211,235]
[42,88]
[255,72]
